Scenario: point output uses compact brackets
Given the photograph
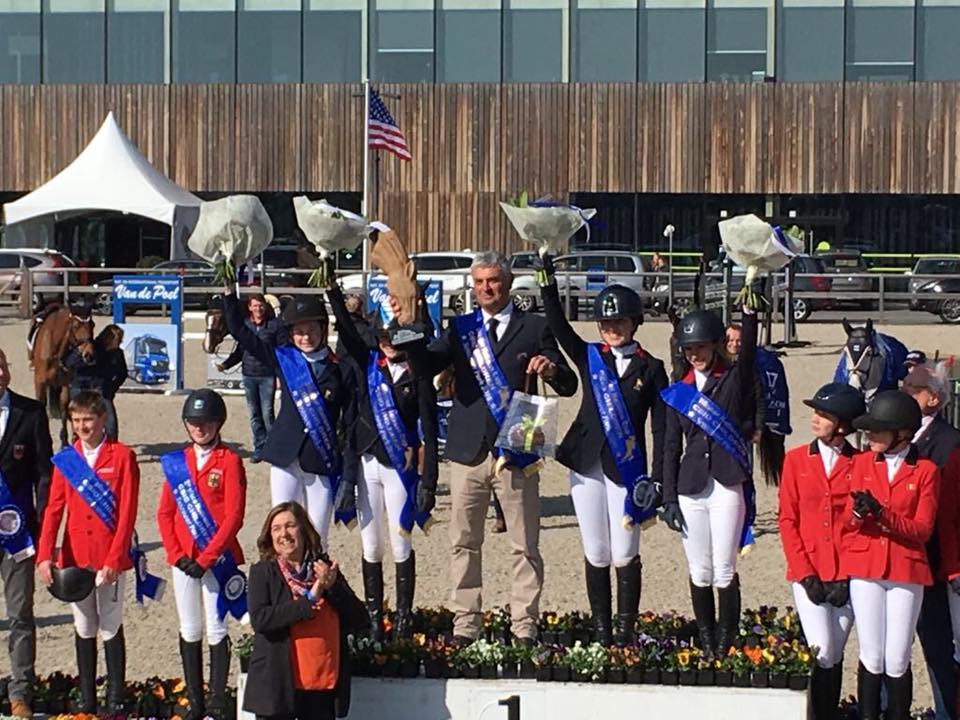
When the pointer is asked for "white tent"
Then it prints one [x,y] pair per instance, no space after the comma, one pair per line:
[110,174]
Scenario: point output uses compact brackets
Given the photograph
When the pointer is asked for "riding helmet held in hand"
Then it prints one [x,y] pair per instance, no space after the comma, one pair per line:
[617,302]
[304,309]
[699,326]
[891,410]
[204,405]
[838,399]
[72,584]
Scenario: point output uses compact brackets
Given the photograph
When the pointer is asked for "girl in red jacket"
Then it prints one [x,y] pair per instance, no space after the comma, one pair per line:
[814,490]
[890,518]
[204,479]
[101,509]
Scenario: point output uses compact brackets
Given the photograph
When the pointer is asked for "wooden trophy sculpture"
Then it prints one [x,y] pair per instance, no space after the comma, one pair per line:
[389,254]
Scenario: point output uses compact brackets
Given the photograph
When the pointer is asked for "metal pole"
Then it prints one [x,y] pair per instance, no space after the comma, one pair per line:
[880,303]
[366,178]
[788,305]
[668,233]
[727,278]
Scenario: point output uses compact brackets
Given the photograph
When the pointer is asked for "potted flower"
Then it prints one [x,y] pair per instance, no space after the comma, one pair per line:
[707,670]
[669,664]
[514,656]
[549,622]
[561,670]
[651,658]
[437,656]
[685,659]
[581,627]
[496,625]
[740,666]
[759,677]
[364,654]
[242,649]
[617,664]
[545,660]
[407,654]
[587,663]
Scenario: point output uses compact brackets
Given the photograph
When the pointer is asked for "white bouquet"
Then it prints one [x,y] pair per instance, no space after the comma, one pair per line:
[757,247]
[329,229]
[546,225]
[229,232]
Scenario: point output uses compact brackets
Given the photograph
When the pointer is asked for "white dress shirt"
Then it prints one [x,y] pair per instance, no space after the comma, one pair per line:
[828,456]
[397,370]
[623,355]
[893,461]
[90,454]
[202,455]
[700,378]
[925,423]
[4,412]
[503,319]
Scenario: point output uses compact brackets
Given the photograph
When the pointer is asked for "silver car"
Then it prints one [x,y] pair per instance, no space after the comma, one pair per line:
[45,284]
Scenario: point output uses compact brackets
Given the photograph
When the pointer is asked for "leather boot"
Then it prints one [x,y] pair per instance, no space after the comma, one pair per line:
[628,601]
[86,649]
[219,671]
[406,582]
[115,651]
[728,622]
[822,705]
[601,607]
[373,597]
[191,655]
[899,696]
[705,613]
[837,689]
[868,693]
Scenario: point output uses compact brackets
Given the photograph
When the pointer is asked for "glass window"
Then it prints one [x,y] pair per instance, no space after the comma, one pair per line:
[605,41]
[403,38]
[268,36]
[137,34]
[671,40]
[806,24]
[468,35]
[19,41]
[535,40]
[736,40]
[938,54]
[73,41]
[204,41]
[333,40]
[880,40]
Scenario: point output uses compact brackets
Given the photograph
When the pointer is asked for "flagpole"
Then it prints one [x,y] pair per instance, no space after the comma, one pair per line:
[366,174]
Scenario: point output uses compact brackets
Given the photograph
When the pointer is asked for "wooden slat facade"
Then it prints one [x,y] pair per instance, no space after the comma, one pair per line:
[474,145]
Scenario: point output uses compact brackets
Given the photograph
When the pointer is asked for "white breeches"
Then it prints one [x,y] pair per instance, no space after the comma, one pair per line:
[197,599]
[885,614]
[101,610]
[825,626]
[310,490]
[711,540]
[381,491]
[598,502]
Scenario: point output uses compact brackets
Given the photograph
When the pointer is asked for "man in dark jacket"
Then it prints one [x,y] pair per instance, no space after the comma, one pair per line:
[104,373]
[259,382]
[25,451]
[523,347]
[936,439]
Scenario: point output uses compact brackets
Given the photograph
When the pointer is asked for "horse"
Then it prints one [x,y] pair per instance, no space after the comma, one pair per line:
[63,330]
[215,330]
[870,361]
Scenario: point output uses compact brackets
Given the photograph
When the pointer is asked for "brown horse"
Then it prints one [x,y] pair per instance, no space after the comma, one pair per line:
[215,330]
[60,332]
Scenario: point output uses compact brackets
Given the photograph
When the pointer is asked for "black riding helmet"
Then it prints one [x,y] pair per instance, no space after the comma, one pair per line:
[204,405]
[838,399]
[304,309]
[617,302]
[700,326]
[72,584]
[891,410]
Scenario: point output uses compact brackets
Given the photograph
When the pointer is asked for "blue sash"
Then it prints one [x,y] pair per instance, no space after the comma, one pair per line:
[315,415]
[232,595]
[14,536]
[147,585]
[476,345]
[398,441]
[776,394]
[621,435]
[88,485]
[714,422]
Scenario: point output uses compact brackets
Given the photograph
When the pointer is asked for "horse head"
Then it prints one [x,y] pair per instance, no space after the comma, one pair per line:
[80,334]
[861,351]
[215,330]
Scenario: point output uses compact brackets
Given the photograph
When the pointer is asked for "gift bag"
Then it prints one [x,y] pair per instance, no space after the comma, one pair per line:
[530,426]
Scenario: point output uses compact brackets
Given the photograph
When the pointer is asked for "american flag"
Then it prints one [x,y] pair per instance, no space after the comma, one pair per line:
[384,132]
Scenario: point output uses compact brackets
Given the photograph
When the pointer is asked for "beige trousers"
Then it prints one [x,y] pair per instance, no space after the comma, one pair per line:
[519,495]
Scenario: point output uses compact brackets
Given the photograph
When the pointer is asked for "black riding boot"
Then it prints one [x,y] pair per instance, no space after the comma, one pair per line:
[191,655]
[868,693]
[628,601]
[705,613]
[601,605]
[728,622]
[115,651]
[406,582]
[822,704]
[899,696]
[373,597]
[219,672]
[837,689]
[87,670]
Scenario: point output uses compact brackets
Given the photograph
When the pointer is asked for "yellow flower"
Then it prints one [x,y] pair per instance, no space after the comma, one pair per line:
[419,639]
[768,656]
[683,658]
[804,656]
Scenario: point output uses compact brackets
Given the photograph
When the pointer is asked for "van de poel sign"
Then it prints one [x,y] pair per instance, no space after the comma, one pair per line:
[165,290]
[147,290]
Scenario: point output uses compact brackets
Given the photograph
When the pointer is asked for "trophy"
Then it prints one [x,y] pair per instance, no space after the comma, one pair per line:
[229,233]
[388,253]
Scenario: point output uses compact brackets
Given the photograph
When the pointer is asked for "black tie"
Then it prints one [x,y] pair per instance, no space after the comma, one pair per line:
[492,325]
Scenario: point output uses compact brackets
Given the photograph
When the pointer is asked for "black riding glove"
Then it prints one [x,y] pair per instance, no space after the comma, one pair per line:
[864,504]
[345,500]
[426,497]
[815,589]
[838,592]
[646,495]
[190,567]
[673,517]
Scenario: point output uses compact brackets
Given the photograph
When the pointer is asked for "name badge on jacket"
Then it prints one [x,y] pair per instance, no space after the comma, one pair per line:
[18,452]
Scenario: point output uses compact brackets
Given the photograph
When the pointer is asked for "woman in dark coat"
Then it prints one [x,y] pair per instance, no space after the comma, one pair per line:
[301,609]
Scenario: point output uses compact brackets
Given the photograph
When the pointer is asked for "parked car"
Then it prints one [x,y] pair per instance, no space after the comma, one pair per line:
[44,283]
[929,266]
[523,261]
[848,282]
[451,269]
[588,271]
[928,299]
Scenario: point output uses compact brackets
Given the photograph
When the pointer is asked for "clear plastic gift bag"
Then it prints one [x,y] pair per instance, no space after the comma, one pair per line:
[530,426]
